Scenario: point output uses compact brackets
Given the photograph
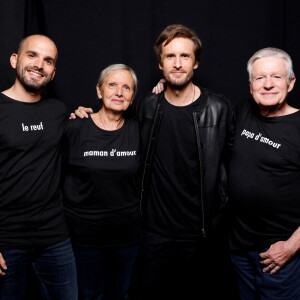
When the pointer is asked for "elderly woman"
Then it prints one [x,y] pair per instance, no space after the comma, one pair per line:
[101,189]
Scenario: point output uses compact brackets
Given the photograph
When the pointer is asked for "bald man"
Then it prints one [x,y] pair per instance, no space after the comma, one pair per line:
[32,228]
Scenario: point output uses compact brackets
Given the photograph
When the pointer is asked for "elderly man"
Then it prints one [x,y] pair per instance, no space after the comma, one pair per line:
[32,227]
[265,183]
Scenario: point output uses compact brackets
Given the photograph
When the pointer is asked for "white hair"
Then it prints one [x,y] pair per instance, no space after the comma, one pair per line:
[272,52]
[117,67]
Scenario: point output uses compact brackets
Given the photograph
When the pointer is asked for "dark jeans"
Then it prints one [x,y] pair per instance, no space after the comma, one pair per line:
[255,285]
[104,274]
[186,269]
[54,266]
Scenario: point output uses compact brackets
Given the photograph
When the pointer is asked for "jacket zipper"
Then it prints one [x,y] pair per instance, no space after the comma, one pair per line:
[157,117]
[201,179]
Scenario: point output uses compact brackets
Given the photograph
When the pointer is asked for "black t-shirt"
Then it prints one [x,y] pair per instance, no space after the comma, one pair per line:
[31,212]
[264,178]
[173,204]
[101,184]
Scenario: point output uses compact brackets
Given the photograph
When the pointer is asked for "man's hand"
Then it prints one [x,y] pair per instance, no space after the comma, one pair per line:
[280,253]
[276,257]
[3,266]
[159,87]
[81,112]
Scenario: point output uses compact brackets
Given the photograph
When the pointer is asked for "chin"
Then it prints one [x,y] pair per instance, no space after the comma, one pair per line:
[270,103]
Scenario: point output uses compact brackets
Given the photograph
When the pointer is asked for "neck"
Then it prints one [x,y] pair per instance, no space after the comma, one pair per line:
[19,93]
[282,110]
[108,120]
[182,96]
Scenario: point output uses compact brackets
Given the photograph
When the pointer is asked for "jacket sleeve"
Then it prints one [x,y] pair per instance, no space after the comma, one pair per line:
[230,137]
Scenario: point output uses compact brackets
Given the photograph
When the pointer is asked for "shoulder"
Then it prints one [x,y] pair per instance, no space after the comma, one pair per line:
[215,103]
[4,98]
[54,104]
[75,126]
[132,123]
[213,98]
[148,99]
[245,105]
[147,105]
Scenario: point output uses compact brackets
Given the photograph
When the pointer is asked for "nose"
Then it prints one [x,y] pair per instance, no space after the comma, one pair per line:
[39,63]
[177,62]
[119,91]
[268,82]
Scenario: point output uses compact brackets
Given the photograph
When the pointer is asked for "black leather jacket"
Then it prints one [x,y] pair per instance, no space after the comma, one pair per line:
[214,129]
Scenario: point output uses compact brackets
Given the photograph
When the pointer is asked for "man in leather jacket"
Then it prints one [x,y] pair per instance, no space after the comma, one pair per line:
[186,137]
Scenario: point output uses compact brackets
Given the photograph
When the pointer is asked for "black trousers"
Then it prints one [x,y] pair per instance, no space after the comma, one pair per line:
[187,269]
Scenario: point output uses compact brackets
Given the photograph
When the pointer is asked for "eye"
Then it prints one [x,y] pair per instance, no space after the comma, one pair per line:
[30,55]
[260,78]
[111,84]
[185,56]
[170,55]
[126,87]
[49,62]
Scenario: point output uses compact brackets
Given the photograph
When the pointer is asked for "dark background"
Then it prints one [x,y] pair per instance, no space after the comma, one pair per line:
[92,34]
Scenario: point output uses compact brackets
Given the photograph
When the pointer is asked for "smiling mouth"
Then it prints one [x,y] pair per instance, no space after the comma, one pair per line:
[269,94]
[35,74]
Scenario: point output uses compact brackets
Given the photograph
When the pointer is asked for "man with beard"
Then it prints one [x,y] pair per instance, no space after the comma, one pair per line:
[186,133]
[32,228]
[186,136]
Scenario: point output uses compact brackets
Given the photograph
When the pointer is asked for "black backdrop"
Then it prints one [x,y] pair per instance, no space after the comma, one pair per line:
[91,34]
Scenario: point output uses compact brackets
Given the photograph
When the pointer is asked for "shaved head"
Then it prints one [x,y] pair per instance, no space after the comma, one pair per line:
[39,38]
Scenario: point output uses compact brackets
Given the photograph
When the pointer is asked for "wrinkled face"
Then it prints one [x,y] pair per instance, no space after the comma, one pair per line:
[269,81]
[35,62]
[178,61]
[117,90]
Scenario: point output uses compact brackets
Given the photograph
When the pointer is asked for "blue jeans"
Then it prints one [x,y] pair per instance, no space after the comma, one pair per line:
[254,284]
[54,266]
[106,273]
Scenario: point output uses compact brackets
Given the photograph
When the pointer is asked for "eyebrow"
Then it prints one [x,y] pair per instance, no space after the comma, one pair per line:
[181,53]
[49,58]
[30,51]
[36,53]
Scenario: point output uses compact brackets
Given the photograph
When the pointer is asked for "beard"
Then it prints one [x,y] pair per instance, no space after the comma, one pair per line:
[32,84]
[178,83]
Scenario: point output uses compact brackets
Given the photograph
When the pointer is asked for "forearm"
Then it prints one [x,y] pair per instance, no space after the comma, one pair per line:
[294,241]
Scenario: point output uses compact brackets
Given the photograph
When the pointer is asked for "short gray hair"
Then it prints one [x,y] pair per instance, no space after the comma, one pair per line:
[271,52]
[117,67]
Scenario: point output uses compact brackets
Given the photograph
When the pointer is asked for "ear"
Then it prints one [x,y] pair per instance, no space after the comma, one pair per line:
[250,86]
[13,60]
[196,65]
[53,74]
[160,66]
[291,84]
[98,91]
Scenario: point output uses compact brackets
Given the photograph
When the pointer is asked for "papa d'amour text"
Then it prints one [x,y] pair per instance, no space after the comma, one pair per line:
[260,138]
